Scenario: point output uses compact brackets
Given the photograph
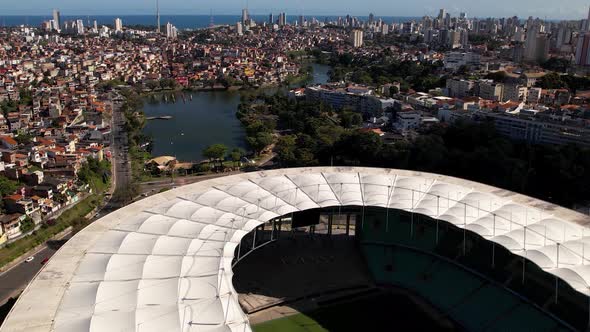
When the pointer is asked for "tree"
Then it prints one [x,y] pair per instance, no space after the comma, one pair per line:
[215,152]
[286,148]
[7,186]
[393,90]
[260,141]
[236,156]
[349,119]
[24,139]
[557,64]
[552,81]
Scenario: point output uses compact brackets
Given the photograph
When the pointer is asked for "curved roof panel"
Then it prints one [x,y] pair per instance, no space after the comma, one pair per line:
[164,263]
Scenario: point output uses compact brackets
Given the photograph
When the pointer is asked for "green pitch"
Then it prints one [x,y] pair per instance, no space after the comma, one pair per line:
[296,323]
[359,315]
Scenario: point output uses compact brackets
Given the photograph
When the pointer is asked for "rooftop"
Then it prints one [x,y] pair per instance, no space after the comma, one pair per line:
[164,263]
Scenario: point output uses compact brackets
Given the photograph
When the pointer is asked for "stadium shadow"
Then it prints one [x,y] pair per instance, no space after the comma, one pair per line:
[326,279]
[455,277]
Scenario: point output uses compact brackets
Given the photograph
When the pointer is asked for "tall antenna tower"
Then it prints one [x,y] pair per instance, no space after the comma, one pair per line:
[158,15]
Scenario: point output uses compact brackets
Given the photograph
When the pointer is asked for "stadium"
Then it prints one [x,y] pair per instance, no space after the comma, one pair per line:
[315,249]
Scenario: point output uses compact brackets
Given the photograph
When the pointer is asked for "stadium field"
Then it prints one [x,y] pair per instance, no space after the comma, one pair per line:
[383,312]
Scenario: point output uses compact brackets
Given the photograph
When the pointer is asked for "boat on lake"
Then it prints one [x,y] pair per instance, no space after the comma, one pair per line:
[164,117]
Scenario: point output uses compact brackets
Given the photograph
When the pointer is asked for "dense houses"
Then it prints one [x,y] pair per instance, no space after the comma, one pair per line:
[53,118]
[56,101]
[57,105]
[537,116]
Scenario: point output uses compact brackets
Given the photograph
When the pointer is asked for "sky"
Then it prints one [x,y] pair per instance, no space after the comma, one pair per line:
[552,9]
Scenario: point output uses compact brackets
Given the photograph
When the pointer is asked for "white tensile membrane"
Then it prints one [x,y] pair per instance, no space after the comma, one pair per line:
[165,263]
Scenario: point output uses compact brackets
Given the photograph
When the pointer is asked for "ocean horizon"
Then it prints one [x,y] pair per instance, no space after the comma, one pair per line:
[180,21]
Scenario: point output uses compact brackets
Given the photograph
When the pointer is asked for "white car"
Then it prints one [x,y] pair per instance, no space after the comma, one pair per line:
[30,259]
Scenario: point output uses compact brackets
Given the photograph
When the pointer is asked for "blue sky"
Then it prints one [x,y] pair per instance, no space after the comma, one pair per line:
[567,9]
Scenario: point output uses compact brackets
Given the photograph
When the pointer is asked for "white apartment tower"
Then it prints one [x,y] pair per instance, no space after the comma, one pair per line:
[56,20]
[80,27]
[357,38]
[118,25]
[171,31]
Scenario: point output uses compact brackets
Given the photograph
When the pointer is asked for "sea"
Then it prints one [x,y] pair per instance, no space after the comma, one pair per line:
[182,22]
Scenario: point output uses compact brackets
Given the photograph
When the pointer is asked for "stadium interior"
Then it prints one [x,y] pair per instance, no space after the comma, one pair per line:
[339,268]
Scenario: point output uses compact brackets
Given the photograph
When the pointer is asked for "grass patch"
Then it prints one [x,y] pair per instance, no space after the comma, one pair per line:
[365,314]
[295,323]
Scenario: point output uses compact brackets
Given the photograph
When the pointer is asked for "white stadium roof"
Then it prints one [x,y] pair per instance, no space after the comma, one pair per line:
[164,263]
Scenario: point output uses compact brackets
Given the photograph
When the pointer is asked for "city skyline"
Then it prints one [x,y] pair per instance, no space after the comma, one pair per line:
[575,9]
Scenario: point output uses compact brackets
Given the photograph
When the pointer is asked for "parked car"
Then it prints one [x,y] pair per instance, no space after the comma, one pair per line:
[30,259]
[44,261]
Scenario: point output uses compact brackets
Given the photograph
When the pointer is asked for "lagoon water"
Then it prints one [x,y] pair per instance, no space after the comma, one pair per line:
[209,118]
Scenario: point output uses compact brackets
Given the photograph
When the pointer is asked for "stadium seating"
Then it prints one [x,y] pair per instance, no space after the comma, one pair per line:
[467,298]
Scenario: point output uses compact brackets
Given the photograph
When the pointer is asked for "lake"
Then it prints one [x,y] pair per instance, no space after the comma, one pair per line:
[209,118]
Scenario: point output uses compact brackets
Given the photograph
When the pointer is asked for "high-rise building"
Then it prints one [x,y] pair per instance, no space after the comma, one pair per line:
[536,48]
[442,14]
[583,50]
[357,38]
[371,19]
[95,27]
[118,25]
[158,26]
[564,35]
[47,25]
[80,27]
[429,36]
[454,39]
[245,16]
[171,31]
[271,19]
[239,29]
[56,20]
[282,19]
[301,20]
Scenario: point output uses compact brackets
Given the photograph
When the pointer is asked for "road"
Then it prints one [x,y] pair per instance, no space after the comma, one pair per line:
[154,187]
[13,281]
[120,150]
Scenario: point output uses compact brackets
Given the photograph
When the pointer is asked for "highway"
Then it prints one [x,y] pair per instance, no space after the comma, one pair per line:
[120,155]
[13,281]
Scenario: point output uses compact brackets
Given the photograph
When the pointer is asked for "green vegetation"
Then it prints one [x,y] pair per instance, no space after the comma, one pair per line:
[162,84]
[7,186]
[96,174]
[27,225]
[315,135]
[490,41]
[557,81]
[557,64]
[259,121]
[73,217]
[215,153]
[295,323]
[420,76]
[365,314]
[135,121]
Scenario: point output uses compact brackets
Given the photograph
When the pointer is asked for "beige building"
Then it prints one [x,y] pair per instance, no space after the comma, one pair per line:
[357,38]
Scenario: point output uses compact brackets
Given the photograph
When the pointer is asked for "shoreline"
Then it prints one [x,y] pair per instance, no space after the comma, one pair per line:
[306,79]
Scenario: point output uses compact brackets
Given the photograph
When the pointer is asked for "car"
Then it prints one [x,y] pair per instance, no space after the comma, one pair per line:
[44,261]
[30,259]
